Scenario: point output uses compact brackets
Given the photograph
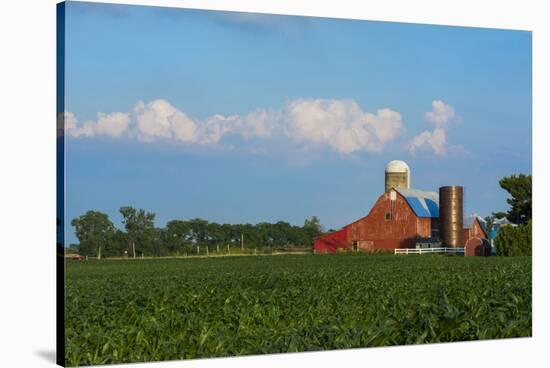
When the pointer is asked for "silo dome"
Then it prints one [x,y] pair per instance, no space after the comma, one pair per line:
[397,166]
[398,175]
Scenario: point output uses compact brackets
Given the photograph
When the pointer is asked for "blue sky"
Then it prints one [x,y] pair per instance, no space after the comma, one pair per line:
[237,117]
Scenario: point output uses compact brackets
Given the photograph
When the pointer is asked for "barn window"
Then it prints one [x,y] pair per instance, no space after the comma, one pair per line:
[388,215]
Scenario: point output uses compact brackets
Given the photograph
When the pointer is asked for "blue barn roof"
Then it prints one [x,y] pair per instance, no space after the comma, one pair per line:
[423,203]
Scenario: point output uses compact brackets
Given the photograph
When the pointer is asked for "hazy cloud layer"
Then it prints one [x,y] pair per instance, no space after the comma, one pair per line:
[113,125]
[310,123]
[441,116]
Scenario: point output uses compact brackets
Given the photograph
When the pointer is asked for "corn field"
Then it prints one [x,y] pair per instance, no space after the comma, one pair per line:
[148,310]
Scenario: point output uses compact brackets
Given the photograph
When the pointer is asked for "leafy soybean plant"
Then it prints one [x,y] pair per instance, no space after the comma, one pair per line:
[133,311]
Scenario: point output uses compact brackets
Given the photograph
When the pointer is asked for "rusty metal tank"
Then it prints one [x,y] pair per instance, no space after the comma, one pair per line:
[451,213]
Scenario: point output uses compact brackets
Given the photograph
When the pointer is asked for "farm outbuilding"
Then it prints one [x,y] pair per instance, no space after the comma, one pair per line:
[476,238]
[403,217]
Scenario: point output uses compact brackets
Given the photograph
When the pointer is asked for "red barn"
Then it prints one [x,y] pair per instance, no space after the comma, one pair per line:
[398,219]
[331,242]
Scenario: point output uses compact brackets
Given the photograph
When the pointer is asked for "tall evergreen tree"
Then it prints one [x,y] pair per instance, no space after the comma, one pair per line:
[519,187]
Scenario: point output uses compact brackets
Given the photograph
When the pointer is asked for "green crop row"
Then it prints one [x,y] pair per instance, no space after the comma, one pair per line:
[150,310]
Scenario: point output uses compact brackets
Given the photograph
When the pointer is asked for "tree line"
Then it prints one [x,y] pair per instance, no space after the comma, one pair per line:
[98,236]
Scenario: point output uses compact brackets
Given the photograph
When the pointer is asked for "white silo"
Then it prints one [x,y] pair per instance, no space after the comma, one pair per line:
[398,175]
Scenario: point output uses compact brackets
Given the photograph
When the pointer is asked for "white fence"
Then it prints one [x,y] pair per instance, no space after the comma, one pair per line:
[458,251]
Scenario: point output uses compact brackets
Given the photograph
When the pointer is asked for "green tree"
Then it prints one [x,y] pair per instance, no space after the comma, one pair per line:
[93,230]
[490,220]
[514,240]
[229,234]
[282,234]
[215,235]
[198,231]
[313,227]
[155,244]
[499,215]
[314,223]
[178,237]
[117,244]
[74,248]
[140,227]
[519,187]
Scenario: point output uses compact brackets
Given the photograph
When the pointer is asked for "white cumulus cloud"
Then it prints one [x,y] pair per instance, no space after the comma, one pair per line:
[441,113]
[436,140]
[158,118]
[215,127]
[112,125]
[261,123]
[341,124]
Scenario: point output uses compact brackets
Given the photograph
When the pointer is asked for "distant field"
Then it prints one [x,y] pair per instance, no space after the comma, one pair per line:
[147,310]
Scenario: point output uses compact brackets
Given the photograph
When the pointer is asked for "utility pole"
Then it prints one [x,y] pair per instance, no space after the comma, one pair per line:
[242,242]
